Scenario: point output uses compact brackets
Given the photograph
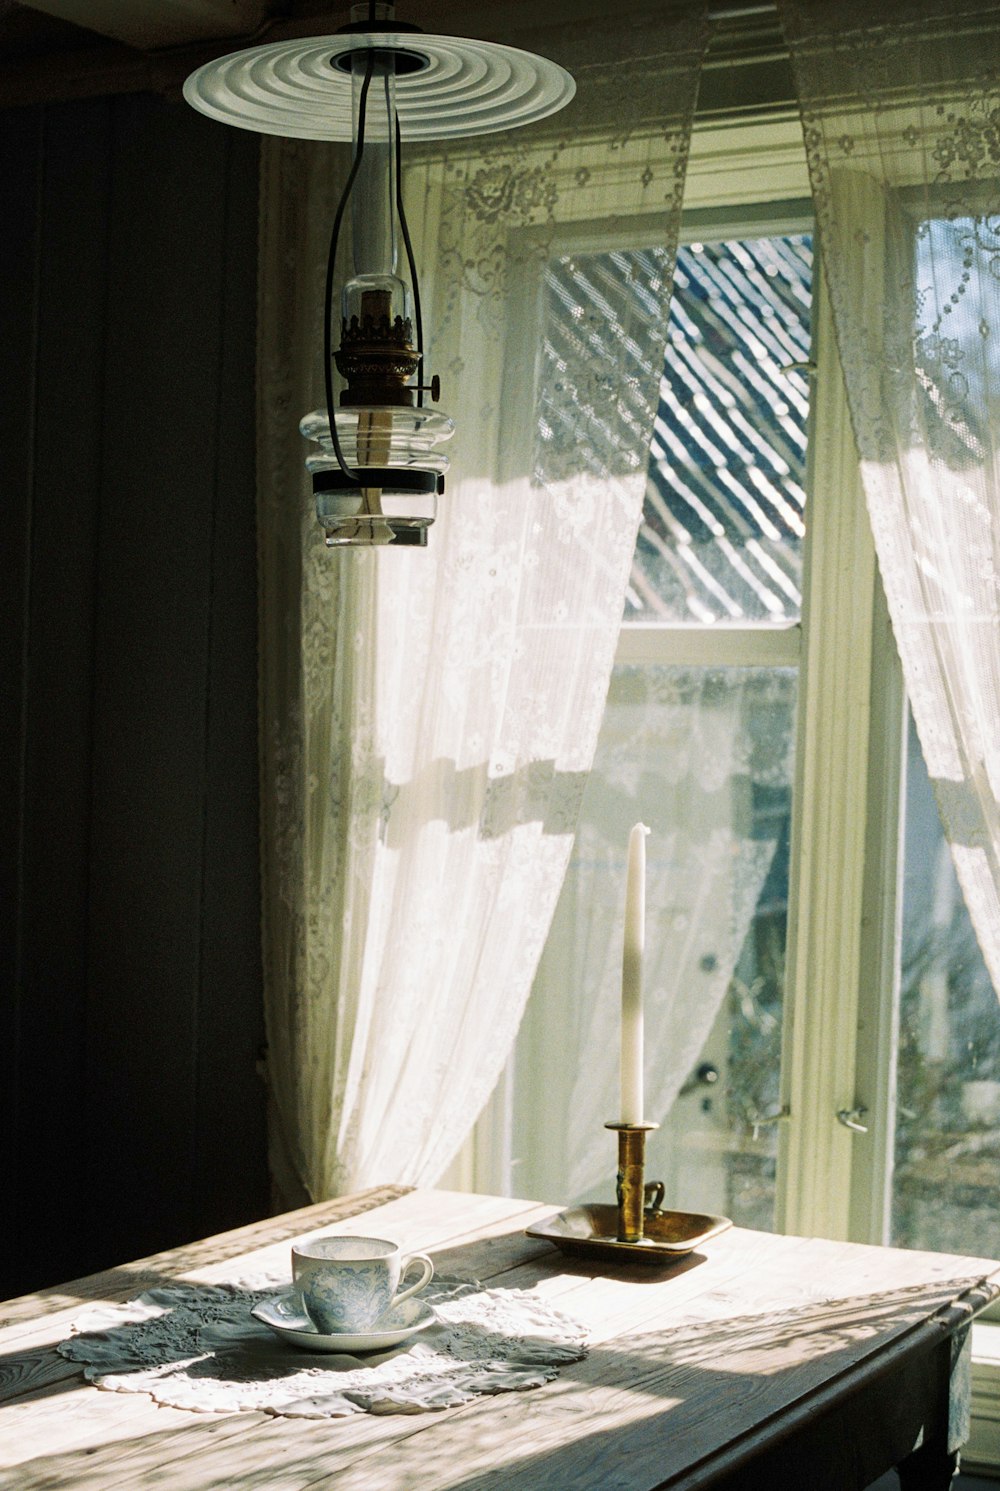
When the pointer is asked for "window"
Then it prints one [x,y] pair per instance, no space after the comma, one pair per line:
[700,750]
[833,1048]
[947,1134]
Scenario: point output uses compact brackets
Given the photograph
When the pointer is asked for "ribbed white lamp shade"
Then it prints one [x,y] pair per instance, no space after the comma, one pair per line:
[458,87]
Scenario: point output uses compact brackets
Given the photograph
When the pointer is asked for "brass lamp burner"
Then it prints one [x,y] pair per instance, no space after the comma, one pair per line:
[376,355]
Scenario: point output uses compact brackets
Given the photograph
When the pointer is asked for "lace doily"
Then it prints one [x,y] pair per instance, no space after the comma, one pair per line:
[198,1347]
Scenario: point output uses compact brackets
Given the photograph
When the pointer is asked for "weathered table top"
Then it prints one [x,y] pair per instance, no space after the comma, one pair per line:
[766,1361]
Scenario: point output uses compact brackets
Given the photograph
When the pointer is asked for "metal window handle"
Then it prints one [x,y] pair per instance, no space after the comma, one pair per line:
[760,1121]
[851,1118]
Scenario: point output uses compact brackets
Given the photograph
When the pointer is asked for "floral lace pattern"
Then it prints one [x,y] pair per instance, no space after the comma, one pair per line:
[901,115]
[198,1347]
[687,749]
[429,718]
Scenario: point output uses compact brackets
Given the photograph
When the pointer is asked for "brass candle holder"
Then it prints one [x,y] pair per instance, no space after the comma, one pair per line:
[637,1230]
[630,1188]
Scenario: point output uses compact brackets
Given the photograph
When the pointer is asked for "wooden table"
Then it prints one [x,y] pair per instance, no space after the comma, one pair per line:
[768,1361]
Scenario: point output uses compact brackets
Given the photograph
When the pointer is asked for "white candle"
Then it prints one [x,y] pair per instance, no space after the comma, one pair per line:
[635,937]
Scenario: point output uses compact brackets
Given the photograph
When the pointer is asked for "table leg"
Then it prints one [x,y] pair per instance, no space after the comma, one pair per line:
[931,1468]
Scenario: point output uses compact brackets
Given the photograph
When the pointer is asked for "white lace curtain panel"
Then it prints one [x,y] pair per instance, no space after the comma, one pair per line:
[429,719]
[901,115]
[683,750]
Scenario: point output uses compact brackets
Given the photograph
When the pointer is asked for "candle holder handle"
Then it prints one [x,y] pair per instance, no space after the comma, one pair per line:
[630,1189]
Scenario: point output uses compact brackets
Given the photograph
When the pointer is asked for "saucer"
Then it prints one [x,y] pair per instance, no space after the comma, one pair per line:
[286,1317]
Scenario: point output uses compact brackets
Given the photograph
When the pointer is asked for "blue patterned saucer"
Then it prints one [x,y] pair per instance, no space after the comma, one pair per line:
[286,1317]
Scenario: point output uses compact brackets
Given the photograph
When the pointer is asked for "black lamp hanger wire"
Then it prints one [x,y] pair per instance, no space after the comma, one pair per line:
[354,476]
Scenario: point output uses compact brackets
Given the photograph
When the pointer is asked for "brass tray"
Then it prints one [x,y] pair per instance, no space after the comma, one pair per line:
[593,1231]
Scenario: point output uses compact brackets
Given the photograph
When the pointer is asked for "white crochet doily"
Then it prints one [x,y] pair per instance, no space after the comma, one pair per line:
[198,1347]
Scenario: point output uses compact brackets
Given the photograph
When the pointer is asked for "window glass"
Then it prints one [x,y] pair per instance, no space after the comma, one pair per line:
[947,1142]
[723,521]
[703,756]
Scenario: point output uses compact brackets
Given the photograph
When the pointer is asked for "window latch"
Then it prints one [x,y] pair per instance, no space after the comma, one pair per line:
[851,1118]
[760,1121]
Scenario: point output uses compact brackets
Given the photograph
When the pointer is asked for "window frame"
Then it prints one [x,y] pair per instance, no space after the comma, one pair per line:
[842,984]
[838,1050]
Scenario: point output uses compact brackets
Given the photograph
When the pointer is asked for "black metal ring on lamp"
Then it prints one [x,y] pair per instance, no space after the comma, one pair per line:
[387,478]
[404,60]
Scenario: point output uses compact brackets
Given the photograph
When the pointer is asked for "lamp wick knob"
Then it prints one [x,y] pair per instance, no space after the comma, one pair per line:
[433,388]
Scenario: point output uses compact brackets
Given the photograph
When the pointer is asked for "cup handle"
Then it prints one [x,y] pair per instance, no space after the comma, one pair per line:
[427,1273]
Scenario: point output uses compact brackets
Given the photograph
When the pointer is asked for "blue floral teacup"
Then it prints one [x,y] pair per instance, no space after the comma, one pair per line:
[348,1283]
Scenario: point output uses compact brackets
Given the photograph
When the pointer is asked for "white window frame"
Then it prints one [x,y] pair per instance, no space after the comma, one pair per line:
[841,993]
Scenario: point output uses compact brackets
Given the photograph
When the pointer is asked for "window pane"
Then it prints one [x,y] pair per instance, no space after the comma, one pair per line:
[721,537]
[947,1149]
[703,756]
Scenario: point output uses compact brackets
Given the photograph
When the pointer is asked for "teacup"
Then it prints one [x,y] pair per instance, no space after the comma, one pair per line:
[348,1283]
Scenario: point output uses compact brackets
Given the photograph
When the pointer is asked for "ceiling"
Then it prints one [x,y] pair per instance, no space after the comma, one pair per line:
[35,27]
[145,24]
[59,49]
[64,49]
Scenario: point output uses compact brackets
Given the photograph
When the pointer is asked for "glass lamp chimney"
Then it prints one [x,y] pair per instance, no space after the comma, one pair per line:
[375,289]
[374,202]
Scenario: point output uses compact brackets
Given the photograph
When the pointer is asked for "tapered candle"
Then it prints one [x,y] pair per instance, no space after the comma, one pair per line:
[635,937]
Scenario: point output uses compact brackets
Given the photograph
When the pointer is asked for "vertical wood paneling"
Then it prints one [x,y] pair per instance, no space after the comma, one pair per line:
[65,500]
[230,1119]
[153,620]
[128,515]
[20,183]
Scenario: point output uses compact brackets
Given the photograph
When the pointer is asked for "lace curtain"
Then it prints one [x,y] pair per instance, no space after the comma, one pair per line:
[901,113]
[429,718]
[696,754]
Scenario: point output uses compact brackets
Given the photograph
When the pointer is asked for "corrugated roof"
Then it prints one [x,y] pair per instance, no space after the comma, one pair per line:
[722,530]
[721,535]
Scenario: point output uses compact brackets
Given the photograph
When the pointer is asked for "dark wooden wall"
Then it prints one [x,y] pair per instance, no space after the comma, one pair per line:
[131,1113]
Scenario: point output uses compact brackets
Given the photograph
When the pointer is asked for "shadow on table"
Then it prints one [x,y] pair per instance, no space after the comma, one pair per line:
[511,1250]
[714,1398]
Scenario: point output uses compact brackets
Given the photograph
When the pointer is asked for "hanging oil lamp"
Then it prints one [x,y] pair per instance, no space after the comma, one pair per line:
[377,469]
